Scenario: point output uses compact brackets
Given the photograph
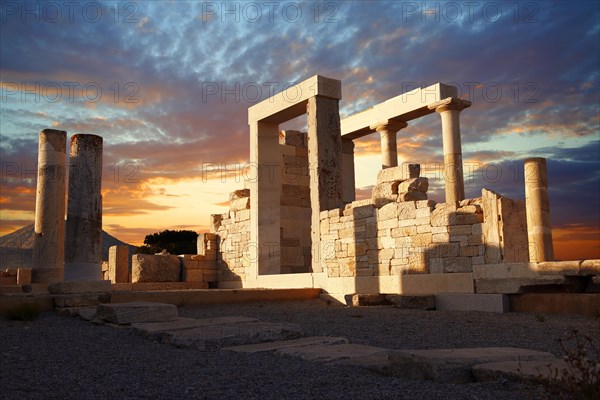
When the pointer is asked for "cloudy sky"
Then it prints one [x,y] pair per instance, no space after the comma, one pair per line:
[167,84]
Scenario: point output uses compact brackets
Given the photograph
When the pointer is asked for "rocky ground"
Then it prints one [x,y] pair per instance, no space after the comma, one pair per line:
[56,357]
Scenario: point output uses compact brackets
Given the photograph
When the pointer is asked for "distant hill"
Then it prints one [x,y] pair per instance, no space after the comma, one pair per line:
[16,248]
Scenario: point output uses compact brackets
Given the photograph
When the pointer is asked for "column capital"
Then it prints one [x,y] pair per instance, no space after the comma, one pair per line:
[450,103]
[389,125]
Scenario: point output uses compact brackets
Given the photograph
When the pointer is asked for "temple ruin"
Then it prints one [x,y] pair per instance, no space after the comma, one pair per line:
[297,223]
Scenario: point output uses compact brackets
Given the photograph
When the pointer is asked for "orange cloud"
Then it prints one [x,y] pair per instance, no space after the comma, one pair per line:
[576,242]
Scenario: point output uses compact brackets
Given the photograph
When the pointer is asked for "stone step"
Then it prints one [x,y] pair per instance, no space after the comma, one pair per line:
[215,337]
[80,300]
[67,311]
[412,302]
[454,365]
[529,371]
[158,329]
[86,313]
[366,300]
[374,358]
[128,313]
[284,344]
[74,287]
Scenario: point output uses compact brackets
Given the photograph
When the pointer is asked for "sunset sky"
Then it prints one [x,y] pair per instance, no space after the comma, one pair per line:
[167,85]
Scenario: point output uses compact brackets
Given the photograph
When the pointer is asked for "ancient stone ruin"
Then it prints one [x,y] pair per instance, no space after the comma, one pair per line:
[297,223]
[397,241]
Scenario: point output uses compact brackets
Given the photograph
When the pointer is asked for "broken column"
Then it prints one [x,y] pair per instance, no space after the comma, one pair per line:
[83,239]
[387,132]
[48,242]
[539,231]
[449,110]
[348,170]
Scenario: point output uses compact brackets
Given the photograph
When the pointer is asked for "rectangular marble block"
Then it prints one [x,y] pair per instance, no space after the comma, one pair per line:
[128,313]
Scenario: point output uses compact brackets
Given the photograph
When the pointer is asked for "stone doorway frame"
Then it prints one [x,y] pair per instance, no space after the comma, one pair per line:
[318,97]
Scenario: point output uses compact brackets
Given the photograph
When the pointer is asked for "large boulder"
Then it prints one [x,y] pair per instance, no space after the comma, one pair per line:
[155,268]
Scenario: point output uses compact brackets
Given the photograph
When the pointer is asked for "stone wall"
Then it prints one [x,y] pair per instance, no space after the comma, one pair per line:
[199,268]
[232,235]
[421,237]
[295,203]
[396,232]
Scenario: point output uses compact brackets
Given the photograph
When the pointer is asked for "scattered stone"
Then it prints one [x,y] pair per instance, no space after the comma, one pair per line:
[411,196]
[157,329]
[80,300]
[454,365]
[424,302]
[215,337]
[284,344]
[341,353]
[128,313]
[67,311]
[379,361]
[87,313]
[392,174]
[362,300]
[529,371]
[414,185]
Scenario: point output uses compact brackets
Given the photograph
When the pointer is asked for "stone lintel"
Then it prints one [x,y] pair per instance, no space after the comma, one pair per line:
[291,102]
[405,107]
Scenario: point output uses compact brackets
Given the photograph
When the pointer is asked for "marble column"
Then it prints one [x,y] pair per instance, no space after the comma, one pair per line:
[83,238]
[449,110]
[539,231]
[387,132]
[49,237]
